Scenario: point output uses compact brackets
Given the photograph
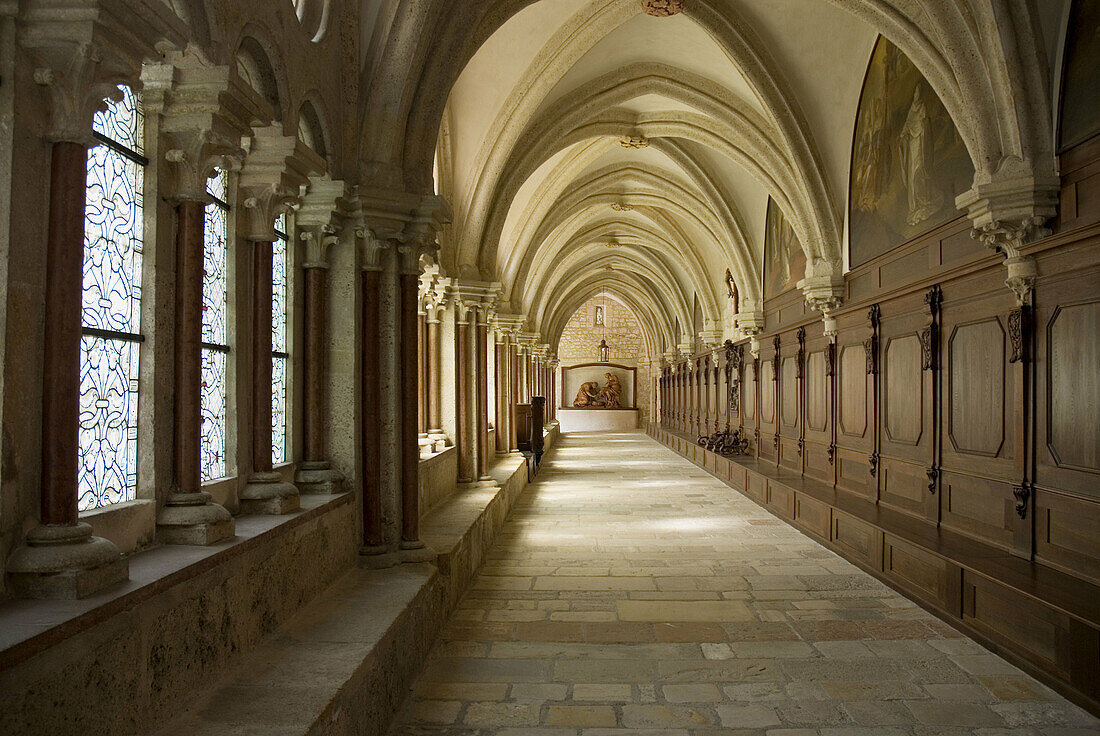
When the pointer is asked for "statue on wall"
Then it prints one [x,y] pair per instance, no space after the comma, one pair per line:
[591,396]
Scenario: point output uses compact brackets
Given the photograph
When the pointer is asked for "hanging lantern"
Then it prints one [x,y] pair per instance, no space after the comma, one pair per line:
[605,351]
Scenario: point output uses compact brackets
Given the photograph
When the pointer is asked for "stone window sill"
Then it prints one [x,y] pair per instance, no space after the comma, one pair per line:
[131,525]
[31,626]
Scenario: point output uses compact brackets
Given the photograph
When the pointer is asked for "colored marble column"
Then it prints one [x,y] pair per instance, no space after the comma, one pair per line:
[409,346]
[514,389]
[61,558]
[370,336]
[315,473]
[435,378]
[466,463]
[500,361]
[482,377]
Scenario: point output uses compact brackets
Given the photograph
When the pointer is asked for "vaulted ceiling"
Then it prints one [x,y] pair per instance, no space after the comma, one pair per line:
[589,146]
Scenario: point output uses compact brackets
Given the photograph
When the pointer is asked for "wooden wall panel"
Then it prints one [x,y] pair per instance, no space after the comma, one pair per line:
[781,499]
[1067,533]
[789,376]
[861,540]
[1073,348]
[1008,617]
[977,507]
[812,515]
[852,400]
[903,390]
[905,488]
[979,404]
[923,574]
[817,403]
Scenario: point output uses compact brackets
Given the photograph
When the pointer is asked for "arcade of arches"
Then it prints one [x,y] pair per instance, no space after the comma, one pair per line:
[296,297]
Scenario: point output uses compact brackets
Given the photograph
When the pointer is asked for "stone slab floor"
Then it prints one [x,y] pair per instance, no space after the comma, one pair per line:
[633,593]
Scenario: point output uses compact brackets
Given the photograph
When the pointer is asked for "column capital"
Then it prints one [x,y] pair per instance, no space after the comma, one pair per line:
[1011,207]
[510,323]
[204,113]
[275,170]
[318,218]
[482,295]
[82,52]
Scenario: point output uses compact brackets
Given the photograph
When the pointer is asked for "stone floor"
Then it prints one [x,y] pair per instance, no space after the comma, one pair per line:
[633,593]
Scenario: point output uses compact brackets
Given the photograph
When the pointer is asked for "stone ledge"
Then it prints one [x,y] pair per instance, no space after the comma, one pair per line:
[116,663]
[340,666]
[462,528]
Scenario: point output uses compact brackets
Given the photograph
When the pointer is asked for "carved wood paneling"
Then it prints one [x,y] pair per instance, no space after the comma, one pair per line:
[790,391]
[812,514]
[921,573]
[853,391]
[1073,388]
[816,398]
[978,402]
[861,540]
[1067,530]
[903,404]
[767,393]
[980,508]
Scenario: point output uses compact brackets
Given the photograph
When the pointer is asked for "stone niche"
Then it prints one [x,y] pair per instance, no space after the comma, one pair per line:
[574,376]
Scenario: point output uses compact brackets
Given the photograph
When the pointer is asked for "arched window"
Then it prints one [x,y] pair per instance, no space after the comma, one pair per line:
[111,306]
[280,357]
[215,320]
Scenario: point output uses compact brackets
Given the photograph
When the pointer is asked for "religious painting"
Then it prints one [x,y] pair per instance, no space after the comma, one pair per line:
[908,160]
[784,259]
[1081,77]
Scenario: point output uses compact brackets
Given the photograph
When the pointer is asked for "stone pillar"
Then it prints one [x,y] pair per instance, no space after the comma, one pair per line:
[514,379]
[411,410]
[482,373]
[61,558]
[466,460]
[435,378]
[370,397]
[316,231]
[274,172]
[500,360]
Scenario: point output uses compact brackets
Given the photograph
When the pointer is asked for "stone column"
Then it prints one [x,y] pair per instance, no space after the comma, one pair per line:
[500,358]
[466,460]
[482,374]
[411,409]
[61,558]
[316,231]
[435,378]
[513,370]
[370,397]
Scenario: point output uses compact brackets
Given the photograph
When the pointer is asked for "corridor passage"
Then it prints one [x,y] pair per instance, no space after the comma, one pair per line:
[633,593]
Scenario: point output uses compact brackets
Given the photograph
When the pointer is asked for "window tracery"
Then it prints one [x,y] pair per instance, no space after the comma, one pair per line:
[279,345]
[111,306]
[215,340]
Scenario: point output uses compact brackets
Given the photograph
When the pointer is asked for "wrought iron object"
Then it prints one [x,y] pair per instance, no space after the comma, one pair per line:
[726,444]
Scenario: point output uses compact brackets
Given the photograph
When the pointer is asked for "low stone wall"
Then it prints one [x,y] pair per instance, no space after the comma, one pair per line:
[130,661]
[438,476]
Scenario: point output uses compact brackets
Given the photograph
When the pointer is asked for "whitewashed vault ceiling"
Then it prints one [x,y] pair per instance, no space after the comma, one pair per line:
[587,146]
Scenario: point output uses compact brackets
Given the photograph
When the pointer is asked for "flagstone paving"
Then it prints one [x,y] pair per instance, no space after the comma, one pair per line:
[632,593]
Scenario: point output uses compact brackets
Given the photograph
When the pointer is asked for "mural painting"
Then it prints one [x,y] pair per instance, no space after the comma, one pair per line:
[784,259]
[908,160]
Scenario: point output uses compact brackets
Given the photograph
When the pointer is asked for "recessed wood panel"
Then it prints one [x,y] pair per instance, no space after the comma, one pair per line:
[781,499]
[1067,530]
[1073,386]
[905,487]
[1010,617]
[767,393]
[816,399]
[812,514]
[790,391]
[853,390]
[858,538]
[904,390]
[817,462]
[748,400]
[976,370]
[922,573]
[758,486]
[853,475]
[977,507]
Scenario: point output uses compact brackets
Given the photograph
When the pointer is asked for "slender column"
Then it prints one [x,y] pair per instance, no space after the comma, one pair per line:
[408,287]
[466,467]
[482,376]
[315,474]
[370,335]
[265,493]
[62,543]
[435,377]
[500,358]
[188,516]
[422,375]
[513,369]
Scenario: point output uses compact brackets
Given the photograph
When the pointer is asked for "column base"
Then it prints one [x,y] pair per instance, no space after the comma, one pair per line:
[318,477]
[487,481]
[268,493]
[65,562]
[413,552]
[438,439]
[193,519]
[378,556]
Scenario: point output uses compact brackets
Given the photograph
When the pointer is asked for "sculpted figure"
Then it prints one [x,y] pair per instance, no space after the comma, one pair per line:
[587,395]
[608,397]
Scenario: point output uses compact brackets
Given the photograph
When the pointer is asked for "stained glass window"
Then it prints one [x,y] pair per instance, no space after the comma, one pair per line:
[279,345]
[111,307]
[215,340]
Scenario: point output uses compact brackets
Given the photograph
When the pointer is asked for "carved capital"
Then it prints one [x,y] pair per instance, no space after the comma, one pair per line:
[1021,278]
[1010,207]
